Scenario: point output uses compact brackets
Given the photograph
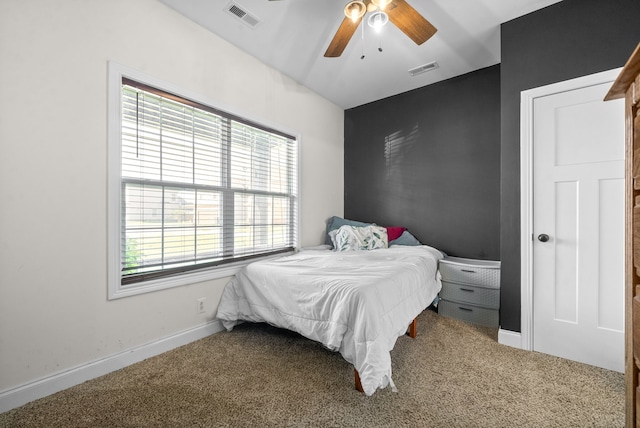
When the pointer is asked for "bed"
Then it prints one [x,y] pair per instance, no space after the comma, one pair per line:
[354,302]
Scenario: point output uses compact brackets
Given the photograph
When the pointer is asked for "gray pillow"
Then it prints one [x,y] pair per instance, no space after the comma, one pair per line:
[405,239]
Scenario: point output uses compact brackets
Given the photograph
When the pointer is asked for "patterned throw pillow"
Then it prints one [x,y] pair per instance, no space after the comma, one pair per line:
[354,238]
[336,222]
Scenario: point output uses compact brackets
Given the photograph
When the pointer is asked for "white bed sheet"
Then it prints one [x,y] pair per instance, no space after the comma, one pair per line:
[357,302]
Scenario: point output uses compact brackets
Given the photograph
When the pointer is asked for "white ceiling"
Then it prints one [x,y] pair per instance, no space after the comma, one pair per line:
[292,36]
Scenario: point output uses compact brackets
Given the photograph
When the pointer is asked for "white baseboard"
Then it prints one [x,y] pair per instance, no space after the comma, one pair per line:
[510,338]
[21,395]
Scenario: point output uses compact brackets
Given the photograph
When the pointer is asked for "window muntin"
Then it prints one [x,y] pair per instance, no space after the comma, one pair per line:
[199,187]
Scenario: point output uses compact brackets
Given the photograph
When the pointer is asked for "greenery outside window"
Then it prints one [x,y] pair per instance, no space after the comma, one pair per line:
[199,187]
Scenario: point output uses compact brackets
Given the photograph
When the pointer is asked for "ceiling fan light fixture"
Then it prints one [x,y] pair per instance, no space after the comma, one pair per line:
[380,4]
[355,10]
[377,20]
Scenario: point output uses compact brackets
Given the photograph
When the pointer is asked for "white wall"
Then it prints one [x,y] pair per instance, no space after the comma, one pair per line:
[54,313]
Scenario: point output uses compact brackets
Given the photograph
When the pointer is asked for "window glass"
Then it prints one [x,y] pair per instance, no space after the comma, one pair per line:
[199,187]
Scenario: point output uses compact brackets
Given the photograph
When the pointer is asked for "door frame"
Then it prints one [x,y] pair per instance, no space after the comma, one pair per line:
[527,98]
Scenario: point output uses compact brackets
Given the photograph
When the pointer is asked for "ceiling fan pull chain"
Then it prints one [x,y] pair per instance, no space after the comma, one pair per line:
[362,46]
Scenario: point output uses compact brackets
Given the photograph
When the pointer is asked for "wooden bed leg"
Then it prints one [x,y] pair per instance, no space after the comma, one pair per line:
[358,383]
[413,329]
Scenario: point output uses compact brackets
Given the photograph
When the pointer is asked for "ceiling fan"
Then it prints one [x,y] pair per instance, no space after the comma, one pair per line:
[399,12]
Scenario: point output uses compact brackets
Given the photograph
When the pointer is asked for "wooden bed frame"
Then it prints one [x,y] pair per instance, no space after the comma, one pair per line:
[412,331]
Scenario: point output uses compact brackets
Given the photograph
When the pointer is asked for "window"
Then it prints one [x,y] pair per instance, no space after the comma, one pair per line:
[198,188]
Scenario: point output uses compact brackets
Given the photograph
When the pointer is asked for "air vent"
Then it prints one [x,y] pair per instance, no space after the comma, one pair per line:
[241,13]
[423,68]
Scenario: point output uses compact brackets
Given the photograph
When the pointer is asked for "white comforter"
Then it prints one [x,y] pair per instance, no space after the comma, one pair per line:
[357,302]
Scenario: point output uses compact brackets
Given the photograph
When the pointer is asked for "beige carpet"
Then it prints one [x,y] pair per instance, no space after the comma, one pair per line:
[452,375]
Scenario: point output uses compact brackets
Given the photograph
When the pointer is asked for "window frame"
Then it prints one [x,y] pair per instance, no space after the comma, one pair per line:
[116,74]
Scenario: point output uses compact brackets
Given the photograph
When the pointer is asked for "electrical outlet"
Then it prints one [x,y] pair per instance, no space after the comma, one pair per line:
[201,305]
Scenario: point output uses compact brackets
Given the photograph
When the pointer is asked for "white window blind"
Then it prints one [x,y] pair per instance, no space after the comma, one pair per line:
[199,187]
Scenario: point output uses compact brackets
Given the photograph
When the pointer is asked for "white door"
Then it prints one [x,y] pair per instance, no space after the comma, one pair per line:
[578,226]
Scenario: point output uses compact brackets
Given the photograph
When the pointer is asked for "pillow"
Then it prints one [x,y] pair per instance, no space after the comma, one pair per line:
[394,232]
[354,238]
[335,223]
[406,239]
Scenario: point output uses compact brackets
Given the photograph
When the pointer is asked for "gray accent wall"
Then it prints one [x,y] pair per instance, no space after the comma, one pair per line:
[429,160]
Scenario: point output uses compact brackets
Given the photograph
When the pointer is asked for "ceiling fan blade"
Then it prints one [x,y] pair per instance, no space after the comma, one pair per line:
[342,37]
[409,21]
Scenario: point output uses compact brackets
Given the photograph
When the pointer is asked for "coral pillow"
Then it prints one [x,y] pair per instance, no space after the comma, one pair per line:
[394,232]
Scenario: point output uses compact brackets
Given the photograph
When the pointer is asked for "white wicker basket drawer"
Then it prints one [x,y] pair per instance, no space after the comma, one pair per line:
[469,271]
[481,296]
[469,313]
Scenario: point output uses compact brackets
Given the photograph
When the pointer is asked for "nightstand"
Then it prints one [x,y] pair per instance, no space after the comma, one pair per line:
[470,290]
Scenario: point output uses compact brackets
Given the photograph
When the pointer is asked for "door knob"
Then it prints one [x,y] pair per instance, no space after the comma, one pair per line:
[543,237]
